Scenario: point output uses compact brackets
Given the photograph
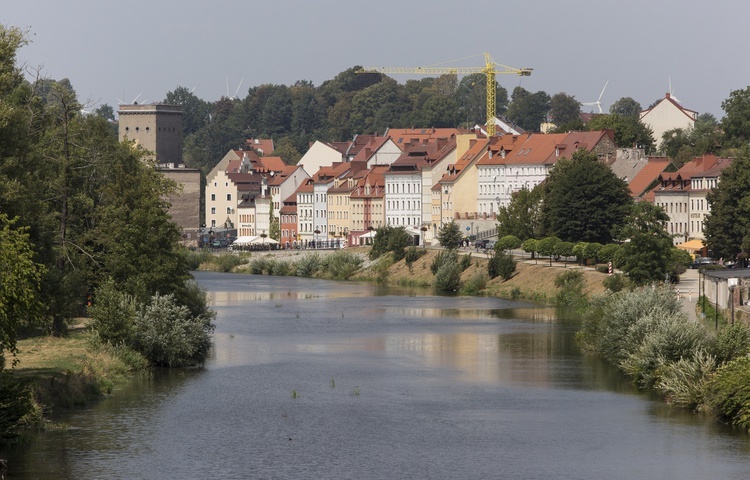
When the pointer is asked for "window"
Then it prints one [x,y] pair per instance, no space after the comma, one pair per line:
[229,197]
[213,210]
[213,197]
[229,209]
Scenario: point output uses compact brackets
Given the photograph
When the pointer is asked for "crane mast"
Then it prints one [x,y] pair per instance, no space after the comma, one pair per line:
[490,70]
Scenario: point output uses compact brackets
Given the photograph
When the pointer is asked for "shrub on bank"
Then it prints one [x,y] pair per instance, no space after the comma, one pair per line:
[729,392]
[475,284]
[501,265]
[447,278]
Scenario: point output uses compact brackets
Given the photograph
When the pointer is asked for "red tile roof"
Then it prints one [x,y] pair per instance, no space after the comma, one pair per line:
[646,176]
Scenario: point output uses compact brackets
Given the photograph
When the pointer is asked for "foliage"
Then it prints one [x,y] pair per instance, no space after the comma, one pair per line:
[531,246]
[522,216]
[547,247]
[736,121]
[17,407]
[615,282]
[413,254]
[113,315]
[727,228]
[464,262]
[608,321]
[308,265]
[629,130]
[225,263]
[169,335]
[607,253]
[678,263]
[626,107]
[571,286]
[591,251]
[528,110]
[475,284]
[729,392]
[732,341]
[447,278]
[646,257]
[704,137]
[564,249]
[564,108]
[391,239]
[341,265]
[20,303]
[584,200]
[507,242]
[442,257]
[450,236]
[685,382]
[501,265]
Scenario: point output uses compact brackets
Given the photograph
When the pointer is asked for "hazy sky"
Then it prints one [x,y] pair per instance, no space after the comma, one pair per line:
[114,51]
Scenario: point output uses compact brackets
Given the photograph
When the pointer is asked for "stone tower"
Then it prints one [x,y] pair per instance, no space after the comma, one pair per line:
[155,127]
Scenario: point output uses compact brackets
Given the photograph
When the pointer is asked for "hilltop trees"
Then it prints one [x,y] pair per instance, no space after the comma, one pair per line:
[727,229]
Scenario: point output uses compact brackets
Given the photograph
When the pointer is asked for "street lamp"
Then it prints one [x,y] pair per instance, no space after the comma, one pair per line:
[263,236]
[424,232]
[316,232]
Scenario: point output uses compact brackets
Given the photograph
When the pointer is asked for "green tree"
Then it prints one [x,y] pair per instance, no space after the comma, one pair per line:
[626,107]
[522,216]
[736,121]
[547,247]
[584,200]
[449,236]
[507,242]
[195,112]
[528,110]
[471,99]
[391,239]
[20,294]
[531,246]
[727,228]
[564,108]
[628,130]
[646,257]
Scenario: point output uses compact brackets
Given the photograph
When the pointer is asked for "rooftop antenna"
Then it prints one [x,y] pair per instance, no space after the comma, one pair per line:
[598,102]
[671,92]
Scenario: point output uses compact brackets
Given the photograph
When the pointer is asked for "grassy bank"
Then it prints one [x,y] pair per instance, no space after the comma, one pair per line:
[71,371]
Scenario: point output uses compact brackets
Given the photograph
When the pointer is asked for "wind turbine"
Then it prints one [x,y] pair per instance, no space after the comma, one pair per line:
[236,91]
[598,102]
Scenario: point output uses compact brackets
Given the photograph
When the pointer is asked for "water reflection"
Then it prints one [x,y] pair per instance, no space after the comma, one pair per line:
[447,387]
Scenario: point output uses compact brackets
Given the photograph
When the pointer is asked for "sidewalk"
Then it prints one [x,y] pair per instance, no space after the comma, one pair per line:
[687,292]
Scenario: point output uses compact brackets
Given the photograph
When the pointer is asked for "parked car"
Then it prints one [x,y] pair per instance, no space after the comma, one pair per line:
[702,261]
[481,244]
[490,245]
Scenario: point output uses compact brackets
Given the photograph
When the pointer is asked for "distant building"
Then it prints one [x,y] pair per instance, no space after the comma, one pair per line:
[157,128]
[667,115]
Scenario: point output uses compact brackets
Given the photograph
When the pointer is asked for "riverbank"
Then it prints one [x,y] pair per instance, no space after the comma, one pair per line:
[534,279]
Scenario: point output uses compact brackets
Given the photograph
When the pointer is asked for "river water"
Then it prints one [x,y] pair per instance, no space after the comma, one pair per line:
[326,380]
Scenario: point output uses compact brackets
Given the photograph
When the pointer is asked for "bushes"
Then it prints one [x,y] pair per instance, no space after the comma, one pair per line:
[615,283]
[413,254]
[501,265]
[308,265]
[166,331]
[475,284]
[340,265]
[442,258]
[729,392]
[18,408]
[168,335]
[571,293]
[448,277]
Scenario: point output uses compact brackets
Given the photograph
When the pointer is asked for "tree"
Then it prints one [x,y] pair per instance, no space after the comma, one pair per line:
[391,239]
[547,247]
[736,121]
[522,216]
[20,294]
[646,257]
[629,131]
[564,108]
[195,112]
[450,236]
[507,242]
[106,112]
[727,228]
[626,107]
[528,110]
[584,200]
[471,99]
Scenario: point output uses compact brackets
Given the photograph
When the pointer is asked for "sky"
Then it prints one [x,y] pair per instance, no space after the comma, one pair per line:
[140,50]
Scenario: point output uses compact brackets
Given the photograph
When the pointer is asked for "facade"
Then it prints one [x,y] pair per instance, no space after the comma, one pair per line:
[458,185]
[322,154]
[682,195]
[155,127]
[305,199]
[283,185]
[367,202]
[667,115]
[186,203]
[288,223]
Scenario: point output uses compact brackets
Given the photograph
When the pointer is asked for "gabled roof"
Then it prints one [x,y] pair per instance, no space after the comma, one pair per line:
[368,150]
[691,114]
[281,177]
[375,179]
[421,153]
[500,148]
[539,149]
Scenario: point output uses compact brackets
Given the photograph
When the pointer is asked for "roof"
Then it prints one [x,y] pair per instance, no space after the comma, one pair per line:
[691,114]
[263,145]
[539,148]
[499,149]
[475,151]
[647,174]
[407,135]
[367,151]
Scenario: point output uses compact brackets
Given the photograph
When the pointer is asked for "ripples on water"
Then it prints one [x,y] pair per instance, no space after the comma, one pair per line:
[388,384]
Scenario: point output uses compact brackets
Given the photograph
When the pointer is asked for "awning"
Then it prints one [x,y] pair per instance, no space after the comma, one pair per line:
[692,245]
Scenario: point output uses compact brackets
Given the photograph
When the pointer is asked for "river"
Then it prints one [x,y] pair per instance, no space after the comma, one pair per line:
[328,380]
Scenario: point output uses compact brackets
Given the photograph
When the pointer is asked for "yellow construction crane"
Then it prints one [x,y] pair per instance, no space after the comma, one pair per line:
[490,69]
